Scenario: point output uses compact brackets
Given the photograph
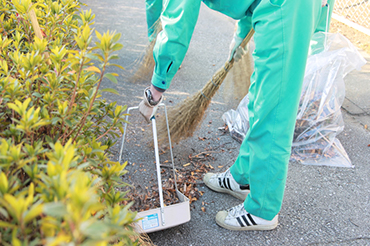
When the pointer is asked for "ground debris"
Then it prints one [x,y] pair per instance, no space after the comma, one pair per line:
[188,179]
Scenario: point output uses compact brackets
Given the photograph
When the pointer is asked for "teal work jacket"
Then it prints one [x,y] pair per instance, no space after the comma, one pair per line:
[179,18]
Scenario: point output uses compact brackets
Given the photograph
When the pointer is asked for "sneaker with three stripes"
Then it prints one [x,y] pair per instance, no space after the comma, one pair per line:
[225,183]
[238,219]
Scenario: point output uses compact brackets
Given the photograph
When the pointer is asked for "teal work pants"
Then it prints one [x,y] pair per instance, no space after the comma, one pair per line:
[283,29]
[324,22]
[153,12]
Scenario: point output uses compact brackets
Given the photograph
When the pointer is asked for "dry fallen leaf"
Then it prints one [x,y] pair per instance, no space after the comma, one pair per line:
[220,166]
[187,164]
[147,196]
[203,209]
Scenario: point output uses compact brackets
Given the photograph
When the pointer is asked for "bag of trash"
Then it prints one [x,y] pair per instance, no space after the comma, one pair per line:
[319,118]
[237,120]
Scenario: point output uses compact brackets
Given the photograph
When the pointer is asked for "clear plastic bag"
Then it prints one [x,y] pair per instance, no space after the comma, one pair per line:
[319,118]
[238,120]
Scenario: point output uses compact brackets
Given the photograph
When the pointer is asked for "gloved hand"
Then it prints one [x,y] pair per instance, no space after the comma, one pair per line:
[236,50]
[324,2]
[147,106]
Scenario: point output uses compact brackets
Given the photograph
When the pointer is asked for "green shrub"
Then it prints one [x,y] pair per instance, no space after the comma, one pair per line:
[57,184]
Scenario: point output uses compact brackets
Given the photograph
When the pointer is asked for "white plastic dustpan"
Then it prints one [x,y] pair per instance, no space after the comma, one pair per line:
[162,217]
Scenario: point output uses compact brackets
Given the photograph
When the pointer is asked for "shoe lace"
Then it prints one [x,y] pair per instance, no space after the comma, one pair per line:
[224,174]
[237,210]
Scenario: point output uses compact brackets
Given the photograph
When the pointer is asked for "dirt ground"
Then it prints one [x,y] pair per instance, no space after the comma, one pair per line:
[358,38]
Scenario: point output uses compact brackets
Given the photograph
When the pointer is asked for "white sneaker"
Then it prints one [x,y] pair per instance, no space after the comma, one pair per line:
[238,219]
[225,183]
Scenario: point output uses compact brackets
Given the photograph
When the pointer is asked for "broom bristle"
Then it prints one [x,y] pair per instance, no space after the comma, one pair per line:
[237,81]
[184,118]
[146,65]
[141,236]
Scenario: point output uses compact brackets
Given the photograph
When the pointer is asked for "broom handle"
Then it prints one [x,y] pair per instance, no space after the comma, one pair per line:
[247,38]
[230,64]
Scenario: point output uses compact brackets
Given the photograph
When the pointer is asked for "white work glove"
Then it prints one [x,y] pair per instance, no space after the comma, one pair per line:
[236,50]
[324,2]
[147,106]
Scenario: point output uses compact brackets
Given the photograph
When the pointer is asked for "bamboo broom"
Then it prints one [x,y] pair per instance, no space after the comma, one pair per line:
[184,118]
[237,81]
[145,66]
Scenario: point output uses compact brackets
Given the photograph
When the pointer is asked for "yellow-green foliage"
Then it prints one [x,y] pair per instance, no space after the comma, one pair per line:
[57,184]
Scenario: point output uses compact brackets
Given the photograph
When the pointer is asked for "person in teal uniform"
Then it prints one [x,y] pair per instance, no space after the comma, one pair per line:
[153,9]
[283,29]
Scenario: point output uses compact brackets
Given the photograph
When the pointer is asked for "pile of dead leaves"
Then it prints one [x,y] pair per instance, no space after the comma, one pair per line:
[188,177]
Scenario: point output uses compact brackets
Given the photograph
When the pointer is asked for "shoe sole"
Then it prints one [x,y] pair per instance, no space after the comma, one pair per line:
[220,220]
[240,196]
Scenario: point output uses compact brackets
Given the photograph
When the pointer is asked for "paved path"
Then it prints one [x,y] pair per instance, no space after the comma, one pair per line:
[322,205]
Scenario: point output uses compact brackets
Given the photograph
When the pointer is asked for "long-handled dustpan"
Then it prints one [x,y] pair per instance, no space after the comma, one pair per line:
[165,216]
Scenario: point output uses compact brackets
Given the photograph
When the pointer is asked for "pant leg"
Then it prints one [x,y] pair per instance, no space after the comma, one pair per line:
[153,12]
[324,20]
[283,29]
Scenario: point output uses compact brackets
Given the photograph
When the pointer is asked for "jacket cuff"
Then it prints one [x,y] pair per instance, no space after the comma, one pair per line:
[159,82]
[159,89]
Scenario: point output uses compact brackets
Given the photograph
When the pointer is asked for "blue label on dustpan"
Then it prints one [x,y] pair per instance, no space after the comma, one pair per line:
[150,221]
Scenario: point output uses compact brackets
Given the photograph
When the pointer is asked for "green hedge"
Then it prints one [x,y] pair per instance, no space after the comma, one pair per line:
[57,183]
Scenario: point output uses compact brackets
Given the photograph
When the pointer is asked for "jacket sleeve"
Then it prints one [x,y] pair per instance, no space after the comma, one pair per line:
[178,22]
[244,25]
[153,12]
